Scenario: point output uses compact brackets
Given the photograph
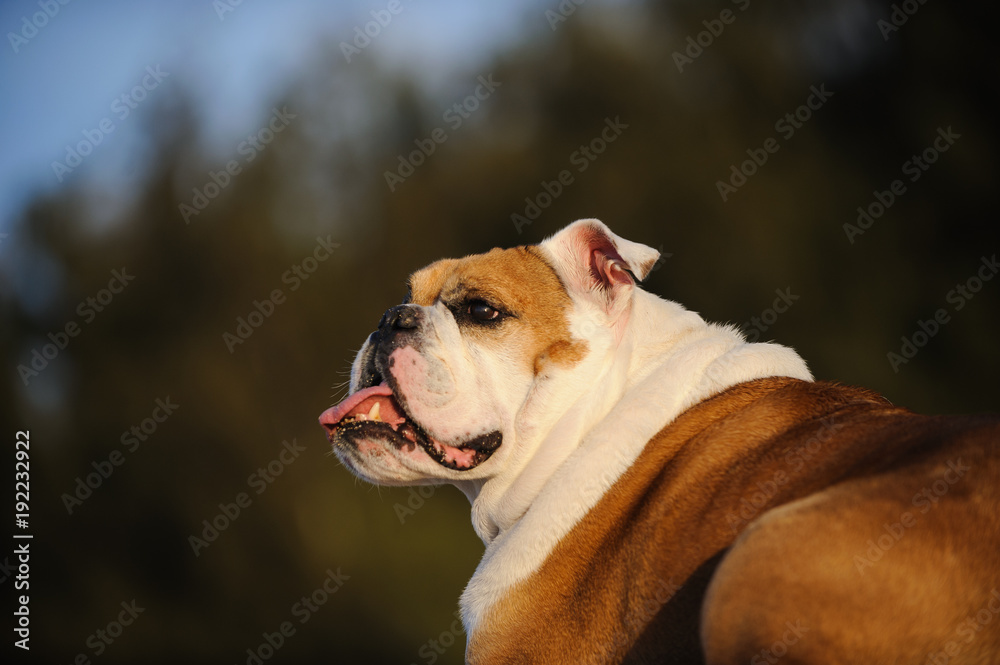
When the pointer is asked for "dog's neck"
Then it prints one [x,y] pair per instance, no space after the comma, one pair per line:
[694,358]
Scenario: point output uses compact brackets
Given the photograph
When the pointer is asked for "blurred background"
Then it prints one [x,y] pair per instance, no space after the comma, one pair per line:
[205,207]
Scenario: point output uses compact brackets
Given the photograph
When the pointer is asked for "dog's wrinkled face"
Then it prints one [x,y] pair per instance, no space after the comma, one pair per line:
[485,356]
[438,387]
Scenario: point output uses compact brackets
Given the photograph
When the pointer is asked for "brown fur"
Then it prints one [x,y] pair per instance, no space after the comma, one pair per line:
[633,581]
[538,328]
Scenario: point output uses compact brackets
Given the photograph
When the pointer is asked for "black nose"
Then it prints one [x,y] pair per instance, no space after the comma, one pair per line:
[400,317]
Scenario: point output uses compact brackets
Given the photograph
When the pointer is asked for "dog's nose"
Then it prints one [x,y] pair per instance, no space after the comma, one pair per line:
[400,317]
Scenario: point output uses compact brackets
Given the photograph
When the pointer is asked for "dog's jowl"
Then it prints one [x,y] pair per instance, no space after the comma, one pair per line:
[652,488]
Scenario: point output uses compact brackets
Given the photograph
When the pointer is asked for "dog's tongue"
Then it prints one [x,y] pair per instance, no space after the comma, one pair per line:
[362,402]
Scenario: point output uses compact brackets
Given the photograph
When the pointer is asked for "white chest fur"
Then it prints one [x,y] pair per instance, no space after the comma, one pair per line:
[675,360]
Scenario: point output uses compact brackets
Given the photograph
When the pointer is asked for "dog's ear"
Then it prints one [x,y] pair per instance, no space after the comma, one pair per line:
[594,262]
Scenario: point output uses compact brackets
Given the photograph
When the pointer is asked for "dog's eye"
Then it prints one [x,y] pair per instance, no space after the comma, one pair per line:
[481,311]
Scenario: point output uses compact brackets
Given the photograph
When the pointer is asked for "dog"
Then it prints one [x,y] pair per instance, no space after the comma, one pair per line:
[652,488]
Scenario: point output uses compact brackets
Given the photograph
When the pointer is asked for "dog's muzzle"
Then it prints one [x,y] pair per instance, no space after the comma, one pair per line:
[376,410]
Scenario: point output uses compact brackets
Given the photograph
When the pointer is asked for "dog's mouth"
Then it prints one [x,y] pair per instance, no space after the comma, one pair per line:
[375,413]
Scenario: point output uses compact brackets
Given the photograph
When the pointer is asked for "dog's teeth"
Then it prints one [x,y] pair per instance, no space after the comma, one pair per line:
[374,413]
[362,416]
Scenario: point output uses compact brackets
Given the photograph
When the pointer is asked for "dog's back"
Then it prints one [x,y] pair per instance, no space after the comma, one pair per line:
[897,563]
[781,519]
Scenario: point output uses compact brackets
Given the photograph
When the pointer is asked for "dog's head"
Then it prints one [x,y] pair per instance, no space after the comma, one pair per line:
[485,353]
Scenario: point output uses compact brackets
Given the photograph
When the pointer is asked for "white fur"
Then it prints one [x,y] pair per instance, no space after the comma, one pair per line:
[460,391]
[667,360]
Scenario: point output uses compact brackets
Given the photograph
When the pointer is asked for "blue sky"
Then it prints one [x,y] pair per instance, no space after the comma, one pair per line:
[63,74]
[63,79]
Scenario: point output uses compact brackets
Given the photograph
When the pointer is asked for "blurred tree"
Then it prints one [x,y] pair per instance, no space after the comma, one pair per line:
[679,132]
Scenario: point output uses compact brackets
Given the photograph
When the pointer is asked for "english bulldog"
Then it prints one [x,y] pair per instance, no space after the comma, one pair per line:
[652,488]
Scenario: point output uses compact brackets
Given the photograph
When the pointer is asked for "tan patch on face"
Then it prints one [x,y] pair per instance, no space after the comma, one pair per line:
[520,283]
[425,284]
[562,352]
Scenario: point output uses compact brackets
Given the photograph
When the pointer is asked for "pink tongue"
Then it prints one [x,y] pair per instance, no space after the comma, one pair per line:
[361,402]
